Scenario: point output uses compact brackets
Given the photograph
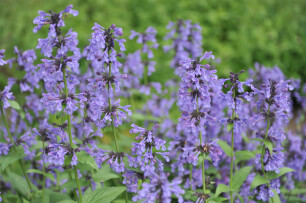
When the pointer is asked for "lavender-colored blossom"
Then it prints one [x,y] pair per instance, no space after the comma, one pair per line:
[160,190]
[114,159]
[5,96]
[2,62]
[145,158]
[131,179]
[55,19]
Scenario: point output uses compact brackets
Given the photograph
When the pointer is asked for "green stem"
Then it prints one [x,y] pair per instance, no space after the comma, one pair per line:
[203,163]
[70,138]
[190,175]
[11,138]
[263,146]
[25,175]
[44,177]
[5,123]
[145,75]
[113,127]
[232,149]
[203,174]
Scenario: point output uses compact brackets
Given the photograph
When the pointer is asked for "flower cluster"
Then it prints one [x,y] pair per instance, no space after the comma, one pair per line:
[202,138]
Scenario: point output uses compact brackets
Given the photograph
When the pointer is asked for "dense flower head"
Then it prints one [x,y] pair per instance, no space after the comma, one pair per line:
[54,102]
[74,103]
[54,19]
[114,159]
[101,49]
[212,149]
[146,38]
[131,179]
[186,41]
[145,157]
[160,190]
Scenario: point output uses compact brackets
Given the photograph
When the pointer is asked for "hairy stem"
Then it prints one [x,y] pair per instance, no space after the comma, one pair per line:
[263,152]
[232,149]
[44,177]
[113,127]
[203,163]
[70,138]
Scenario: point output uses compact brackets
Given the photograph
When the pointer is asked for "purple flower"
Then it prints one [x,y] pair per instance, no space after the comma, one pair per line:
[52,18]
[160,190]
[2,62]
[5,96]
[145,158]
[131,179]
[114,159]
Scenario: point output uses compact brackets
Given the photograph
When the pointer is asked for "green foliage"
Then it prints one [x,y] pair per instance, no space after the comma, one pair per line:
[257,181]
[243,156]
[18,183]
[86,159]
[276,198]
[221,188]
[105,194]
[48,175]
[104,174]
[14,154]
[239,32]
[272,175]
[269,145]
[239,177]
[226,148]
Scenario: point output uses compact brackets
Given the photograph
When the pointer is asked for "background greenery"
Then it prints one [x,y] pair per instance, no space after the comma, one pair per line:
[239,32]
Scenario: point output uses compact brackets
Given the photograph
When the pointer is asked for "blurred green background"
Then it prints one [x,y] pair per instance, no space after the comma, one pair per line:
[239,32]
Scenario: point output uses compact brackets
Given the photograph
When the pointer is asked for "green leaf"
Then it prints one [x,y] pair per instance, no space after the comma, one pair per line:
[276,198]
[104,174]
[226,148]
[141,117]
[14,154]
[258,180]
[69,68]
[216,199]
[105,194]
[239,177]
[72,183]
[56,196]
[14,105]
[272,175]
[67,201]
[18,183]
[200,159]
[48,175]
[230,126]
[221,188]
[243,156]
[269,145]
[85,158]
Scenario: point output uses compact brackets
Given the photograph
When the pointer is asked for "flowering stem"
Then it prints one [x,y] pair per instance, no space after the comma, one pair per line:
[203,174]
[263,146]
[232,149]
[203,163]
[145,75]
[19,161]
[70,138]
[44,177]
[190,176]
[5,123]
[113,127]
